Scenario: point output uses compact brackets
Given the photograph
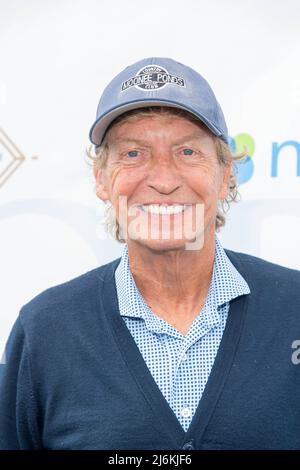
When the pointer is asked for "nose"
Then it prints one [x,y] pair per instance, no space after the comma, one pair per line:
[163,175]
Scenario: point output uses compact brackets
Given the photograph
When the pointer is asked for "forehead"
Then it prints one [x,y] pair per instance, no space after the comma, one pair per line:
[155,125]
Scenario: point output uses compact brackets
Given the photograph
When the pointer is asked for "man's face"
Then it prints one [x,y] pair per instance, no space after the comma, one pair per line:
[163,161]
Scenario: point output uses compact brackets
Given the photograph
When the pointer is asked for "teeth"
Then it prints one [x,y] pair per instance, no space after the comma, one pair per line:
[162,209]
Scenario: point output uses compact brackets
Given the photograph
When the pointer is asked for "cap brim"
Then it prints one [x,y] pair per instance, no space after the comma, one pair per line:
[101,124]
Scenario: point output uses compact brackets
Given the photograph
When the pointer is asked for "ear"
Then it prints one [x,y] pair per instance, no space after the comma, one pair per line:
[101,187]
[226,173]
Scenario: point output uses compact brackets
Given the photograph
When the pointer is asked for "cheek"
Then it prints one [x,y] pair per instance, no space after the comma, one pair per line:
[205,185]
[123,182]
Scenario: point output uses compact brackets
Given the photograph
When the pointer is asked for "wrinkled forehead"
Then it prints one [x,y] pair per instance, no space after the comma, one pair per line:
[162,116]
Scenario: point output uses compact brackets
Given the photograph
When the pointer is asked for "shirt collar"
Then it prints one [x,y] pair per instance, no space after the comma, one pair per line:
[227,283]
[230,283]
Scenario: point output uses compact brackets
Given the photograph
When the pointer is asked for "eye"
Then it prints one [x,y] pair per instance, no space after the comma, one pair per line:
[188,152]
[132,153]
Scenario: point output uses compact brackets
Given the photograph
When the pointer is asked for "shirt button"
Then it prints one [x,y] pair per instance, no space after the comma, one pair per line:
[186,412]
[184,356]
[188,445]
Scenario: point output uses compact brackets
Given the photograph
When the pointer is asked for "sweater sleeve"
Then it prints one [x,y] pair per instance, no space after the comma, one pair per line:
[18,420]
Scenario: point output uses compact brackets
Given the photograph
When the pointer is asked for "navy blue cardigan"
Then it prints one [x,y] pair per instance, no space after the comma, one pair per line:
[75,379]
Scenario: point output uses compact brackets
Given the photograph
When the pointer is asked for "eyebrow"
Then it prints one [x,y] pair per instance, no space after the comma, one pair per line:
[194,136]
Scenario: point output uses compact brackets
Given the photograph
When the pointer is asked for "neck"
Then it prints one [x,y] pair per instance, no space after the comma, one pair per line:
[174,283]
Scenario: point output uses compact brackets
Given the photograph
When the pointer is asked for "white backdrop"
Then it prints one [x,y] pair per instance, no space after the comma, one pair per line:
[55,58]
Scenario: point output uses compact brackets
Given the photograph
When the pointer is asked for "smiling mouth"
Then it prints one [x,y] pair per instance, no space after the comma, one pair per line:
[164,209]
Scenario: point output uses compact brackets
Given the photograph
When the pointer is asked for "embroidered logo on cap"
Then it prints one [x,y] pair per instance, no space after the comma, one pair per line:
[152,77]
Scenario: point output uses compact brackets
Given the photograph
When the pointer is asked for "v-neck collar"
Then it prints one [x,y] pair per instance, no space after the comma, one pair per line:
[165,417]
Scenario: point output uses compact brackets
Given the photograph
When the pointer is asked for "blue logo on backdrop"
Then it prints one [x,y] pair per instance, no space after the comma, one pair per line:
[245,167]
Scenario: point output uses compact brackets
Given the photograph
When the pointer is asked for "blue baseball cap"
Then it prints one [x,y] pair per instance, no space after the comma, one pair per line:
[158,81]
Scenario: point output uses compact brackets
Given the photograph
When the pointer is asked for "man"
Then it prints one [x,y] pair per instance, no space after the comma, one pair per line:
[178,344]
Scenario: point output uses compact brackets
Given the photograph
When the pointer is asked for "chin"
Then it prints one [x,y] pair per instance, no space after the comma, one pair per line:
[160,245]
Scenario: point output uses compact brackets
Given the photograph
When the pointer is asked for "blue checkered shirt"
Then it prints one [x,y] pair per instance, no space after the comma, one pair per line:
[180,365]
